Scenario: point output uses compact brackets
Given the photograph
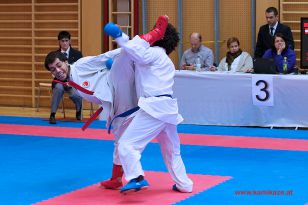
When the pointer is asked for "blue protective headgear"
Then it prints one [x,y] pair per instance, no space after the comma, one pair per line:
[109,63]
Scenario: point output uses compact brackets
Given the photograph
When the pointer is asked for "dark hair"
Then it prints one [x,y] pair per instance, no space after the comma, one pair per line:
[285,40]
[170,40]
[272,9]
[232,40]
[64,34]
[52,56]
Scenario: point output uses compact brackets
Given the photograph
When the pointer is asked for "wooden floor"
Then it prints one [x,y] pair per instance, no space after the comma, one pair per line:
[43,112]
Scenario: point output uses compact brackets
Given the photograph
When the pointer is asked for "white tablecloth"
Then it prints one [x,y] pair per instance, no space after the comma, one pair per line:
[213,98]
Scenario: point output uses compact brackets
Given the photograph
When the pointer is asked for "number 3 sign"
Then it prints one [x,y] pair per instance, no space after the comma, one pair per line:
[262,90]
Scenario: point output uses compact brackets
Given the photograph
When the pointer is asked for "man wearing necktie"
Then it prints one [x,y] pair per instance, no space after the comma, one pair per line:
[267,31]
[64,39]
[271,28]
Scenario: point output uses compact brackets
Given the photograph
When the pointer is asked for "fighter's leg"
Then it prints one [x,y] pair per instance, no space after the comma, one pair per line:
[139,133]
[124,92]
[170,147]
[115,182]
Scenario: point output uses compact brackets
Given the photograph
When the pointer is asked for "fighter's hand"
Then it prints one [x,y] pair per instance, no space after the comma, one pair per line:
[112,30]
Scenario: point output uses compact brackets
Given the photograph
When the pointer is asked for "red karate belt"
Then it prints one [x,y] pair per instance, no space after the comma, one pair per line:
[75,85]
[92,118]
[81,89]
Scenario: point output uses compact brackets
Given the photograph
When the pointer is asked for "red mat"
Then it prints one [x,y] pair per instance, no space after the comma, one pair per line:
[159,192]
[190,139]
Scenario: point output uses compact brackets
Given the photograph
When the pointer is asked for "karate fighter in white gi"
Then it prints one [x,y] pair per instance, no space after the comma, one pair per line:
[114,90]
[158,114]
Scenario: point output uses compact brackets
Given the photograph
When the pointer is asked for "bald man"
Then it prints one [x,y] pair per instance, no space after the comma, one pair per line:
[197,52]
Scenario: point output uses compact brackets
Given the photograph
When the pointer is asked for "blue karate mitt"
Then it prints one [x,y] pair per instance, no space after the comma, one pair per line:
[109,63]
[112,30]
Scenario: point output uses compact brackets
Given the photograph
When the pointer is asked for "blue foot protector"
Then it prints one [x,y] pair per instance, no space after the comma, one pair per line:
[134,186]
[112,30]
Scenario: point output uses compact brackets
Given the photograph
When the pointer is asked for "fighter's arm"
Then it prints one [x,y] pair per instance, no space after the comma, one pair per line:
[140,51]
[137,49]
[92,64]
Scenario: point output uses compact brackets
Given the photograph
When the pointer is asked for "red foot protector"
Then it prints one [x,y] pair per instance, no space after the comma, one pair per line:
[159,192]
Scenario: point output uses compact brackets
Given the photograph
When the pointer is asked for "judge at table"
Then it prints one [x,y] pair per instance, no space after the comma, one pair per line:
[235,60]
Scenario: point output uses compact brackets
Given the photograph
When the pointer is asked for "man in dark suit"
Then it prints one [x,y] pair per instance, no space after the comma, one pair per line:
[64,39]
[267,31]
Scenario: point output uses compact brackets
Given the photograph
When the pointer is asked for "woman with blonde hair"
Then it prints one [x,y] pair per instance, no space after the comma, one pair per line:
[236,60]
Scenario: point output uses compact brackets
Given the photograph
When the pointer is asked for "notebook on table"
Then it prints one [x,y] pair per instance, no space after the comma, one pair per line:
[264,66]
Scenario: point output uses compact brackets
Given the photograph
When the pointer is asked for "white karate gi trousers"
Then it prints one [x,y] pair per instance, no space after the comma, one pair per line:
[122,83]
[142,129]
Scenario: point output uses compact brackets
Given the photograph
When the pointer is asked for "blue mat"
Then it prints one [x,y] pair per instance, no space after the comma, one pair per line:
[37,168]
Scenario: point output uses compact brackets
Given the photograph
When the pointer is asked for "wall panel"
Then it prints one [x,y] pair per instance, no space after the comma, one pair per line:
[261,6]
[157,8]
[16,52]
[198,17]
[91,23]
[235,20]
[28,31]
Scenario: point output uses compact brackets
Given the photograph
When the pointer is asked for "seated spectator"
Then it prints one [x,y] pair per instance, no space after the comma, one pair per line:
[197,51]
[236,60]
[284,57]
[72,55]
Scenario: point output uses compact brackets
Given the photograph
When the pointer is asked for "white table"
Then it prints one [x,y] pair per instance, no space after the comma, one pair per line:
[213,98]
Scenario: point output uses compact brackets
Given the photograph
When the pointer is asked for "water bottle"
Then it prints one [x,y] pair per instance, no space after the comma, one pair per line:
[285,65]
[198,64]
